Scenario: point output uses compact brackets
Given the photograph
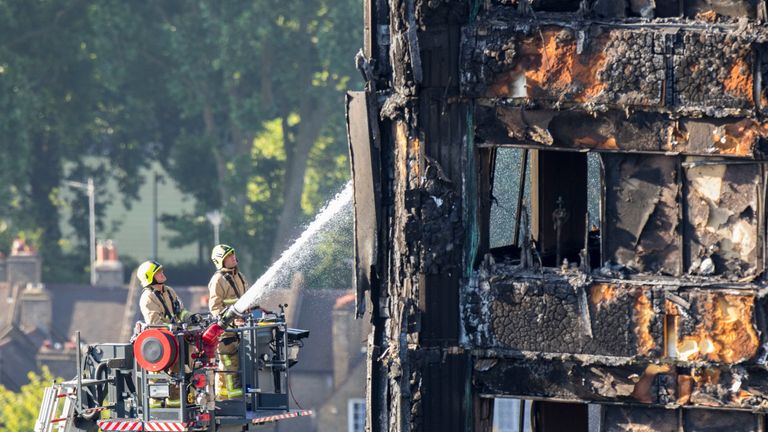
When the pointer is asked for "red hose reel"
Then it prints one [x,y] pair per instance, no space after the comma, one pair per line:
[156,349]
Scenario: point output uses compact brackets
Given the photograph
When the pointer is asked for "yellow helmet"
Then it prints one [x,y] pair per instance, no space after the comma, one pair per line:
[220,252]
[146,272]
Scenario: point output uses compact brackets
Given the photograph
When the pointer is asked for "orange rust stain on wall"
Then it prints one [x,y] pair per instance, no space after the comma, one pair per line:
[642,315]
[602,294]
[684,389]
[407,145]
[742,396]
[643,391]
[597,141]
[556,67]
[706,376]
[726,333]
[551,67]
[670,308]
[503,85]
[677,137]
[739,82]
[739,138]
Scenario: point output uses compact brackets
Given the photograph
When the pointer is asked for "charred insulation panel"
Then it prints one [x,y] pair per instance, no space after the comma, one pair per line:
[722,225]
[559,317]
[642,228]
[612,131]
[688,70]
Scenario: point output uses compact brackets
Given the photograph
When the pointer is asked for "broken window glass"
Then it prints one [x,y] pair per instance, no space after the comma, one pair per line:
[504,198]
[565,214]
[512,415]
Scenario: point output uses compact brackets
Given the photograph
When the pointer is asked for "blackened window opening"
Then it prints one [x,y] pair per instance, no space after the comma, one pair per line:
[551,198]
[559,211]
[555,5]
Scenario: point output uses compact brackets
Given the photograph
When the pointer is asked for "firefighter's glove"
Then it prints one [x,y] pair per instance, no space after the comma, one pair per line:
[194,319]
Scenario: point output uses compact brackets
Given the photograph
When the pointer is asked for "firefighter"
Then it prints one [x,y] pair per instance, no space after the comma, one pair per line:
[161,305]
[227,285]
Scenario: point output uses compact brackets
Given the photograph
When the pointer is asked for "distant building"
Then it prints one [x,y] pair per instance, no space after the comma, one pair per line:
[38,323]
[131,228]
[330,371]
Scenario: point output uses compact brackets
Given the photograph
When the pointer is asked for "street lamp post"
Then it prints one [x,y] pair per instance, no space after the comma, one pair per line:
[214,218]
[90,189]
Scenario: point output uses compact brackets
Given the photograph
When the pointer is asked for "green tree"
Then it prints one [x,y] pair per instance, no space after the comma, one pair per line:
[18,411]
[57,108]
[242,103]
[261,84]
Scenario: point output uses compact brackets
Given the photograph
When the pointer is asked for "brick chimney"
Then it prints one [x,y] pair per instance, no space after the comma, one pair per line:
[23,266]
[35,308]
[109,270]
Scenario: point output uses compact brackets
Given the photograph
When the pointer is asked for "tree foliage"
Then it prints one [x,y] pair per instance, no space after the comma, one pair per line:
[241,102]
[18,411]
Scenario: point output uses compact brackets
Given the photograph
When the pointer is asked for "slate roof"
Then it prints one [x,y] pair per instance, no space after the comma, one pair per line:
[17,355]
[315,315]
[97,312]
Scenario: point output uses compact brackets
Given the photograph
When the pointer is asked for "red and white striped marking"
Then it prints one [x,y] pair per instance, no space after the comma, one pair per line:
[108,425]
[165,426]
[287,415]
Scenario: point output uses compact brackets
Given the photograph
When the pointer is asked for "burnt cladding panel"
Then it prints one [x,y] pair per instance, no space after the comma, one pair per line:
[642,213]
[536,316]
[566,381]
[723,214]
[629,419]
[715,421]
[713,69]
[728,137]
[727,8]
[718,327]
[556,317]
[365,174]
[617,325]
[440,57]
[439,304]
[443,410]
[444,120]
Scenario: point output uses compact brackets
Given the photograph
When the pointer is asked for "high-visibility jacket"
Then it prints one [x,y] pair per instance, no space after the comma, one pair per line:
[224,289]
[162,306]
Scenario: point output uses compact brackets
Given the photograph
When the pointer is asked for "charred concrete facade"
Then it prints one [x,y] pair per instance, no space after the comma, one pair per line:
[633,276]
